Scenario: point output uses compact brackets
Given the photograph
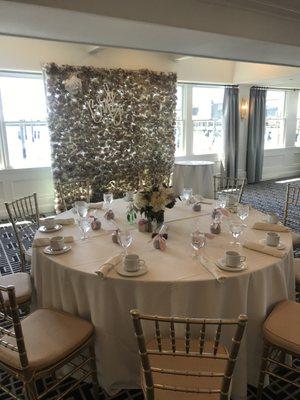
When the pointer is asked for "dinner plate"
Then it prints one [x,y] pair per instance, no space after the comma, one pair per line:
[51,252]
[221,264]
[280,246]
[56,228]
[121,271]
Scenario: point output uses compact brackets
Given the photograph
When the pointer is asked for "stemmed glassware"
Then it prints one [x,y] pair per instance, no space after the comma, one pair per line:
[81,207]
[198,241]
[108,198]
[125,240]
[187,194]
[243,212]
[236,228]
[84,226]
[221,201]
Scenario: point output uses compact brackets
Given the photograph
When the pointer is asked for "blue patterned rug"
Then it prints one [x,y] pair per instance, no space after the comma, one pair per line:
[264,196]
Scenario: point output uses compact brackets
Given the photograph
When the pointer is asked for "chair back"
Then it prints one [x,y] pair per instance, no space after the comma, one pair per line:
[23,214]
[203,326]
[71,191]
[291,214]
[230,185]
[13,338]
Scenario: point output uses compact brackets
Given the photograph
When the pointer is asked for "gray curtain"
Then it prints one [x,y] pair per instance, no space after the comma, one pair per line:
[256,134]
[231,121]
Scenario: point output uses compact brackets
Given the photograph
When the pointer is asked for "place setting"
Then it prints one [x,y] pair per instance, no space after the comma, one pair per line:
[58,245]
[232,261]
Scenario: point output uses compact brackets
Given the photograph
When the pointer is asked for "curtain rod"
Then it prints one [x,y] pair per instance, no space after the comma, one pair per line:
[274,88]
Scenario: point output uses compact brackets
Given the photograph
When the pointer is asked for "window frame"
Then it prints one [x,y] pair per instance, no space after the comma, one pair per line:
[284,119]
[188,128]
[4,150]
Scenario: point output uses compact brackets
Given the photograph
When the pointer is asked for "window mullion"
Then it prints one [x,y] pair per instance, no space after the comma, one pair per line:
[4,158]
[189,120]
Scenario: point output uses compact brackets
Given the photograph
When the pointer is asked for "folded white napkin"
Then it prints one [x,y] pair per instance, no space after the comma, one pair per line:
[266,226]
[108,265]
[211,267]
[61,221]
[96,206]
[40,242]
[271,251]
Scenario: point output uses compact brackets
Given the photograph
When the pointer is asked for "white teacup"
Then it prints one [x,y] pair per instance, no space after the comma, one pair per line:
[49,223]
[128,196]
[272,218]
[233,259]
[57,243]
[133,263]
[272,239]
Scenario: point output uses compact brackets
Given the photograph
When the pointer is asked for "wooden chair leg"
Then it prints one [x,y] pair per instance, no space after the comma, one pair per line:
[264,362]
[94,372]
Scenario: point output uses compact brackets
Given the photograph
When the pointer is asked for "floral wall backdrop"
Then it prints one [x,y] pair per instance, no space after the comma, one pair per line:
[113,126]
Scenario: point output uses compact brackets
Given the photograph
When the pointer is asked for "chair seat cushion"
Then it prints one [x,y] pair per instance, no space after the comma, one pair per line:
[182,363]
[22,283]
[50,336]
[297,270]
[282,327]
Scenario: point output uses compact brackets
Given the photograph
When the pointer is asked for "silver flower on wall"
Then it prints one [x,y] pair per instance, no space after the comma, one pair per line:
[106,105]
[73,85]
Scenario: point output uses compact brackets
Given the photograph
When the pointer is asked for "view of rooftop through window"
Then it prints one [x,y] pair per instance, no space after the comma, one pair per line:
[24,114]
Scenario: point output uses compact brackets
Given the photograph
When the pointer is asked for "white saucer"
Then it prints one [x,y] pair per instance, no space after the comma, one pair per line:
[56,228]
[51,252]
[142,271]
[280,246]
[221,264]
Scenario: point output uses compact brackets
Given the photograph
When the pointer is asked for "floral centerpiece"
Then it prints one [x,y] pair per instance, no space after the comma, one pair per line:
[153,202]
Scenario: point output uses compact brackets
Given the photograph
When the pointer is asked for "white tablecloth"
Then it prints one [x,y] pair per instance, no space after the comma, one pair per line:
[176,284]
[197,175]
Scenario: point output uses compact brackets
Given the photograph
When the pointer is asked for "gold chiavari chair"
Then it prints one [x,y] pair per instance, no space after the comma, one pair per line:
[42,344]
[229,185]
[291,215]
[72,190]
[189,368]
[281,333]
[23,214]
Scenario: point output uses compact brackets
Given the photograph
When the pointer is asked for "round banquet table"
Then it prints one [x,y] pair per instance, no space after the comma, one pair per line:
[197,175]
[176,284]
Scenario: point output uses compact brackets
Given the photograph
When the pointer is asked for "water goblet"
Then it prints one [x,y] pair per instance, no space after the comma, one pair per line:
[236,228]
[84,226]
[243,212]
[108,198]
[125,240]
[198,241]
[187,194]
[222,200]
[81,208]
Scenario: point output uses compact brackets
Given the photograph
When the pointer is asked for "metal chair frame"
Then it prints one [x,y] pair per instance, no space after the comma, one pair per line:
[23,213]
[230,358]
[292,198]
[229,184]
[29,377]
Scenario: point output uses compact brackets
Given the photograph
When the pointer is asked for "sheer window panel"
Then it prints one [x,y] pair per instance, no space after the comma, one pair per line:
[180,136]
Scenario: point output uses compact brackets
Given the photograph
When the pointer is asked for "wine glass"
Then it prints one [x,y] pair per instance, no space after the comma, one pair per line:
[198,241]
[187,194]
[243,212]
[84,226]
[222,200]
[236,228]
[81,208]
[125,240]
[108,198]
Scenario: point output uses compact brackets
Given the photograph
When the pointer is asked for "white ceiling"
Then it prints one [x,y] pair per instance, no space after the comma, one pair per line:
[58,24]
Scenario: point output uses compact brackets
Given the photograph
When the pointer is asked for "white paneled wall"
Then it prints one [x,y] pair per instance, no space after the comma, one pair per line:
[15,183]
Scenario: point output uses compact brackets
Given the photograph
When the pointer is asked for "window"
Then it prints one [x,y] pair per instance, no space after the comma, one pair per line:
[275,119]
[207,114]
[297,141]
[24,129]
[180,125]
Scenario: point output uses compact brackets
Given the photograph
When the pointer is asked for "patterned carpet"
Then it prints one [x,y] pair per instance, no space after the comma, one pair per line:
[265,196]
